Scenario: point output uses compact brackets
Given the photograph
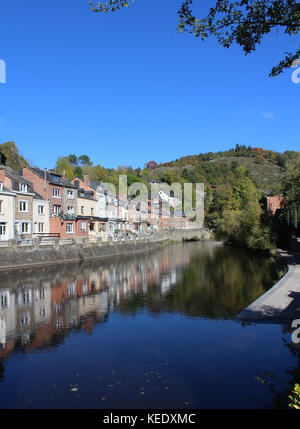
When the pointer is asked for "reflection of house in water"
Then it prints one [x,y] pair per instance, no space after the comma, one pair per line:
[22,311]
[36,313]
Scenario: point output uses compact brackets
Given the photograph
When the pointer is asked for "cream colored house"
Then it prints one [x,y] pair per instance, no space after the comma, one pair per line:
[87,214]
[40,216]
[7,209]
[86,206]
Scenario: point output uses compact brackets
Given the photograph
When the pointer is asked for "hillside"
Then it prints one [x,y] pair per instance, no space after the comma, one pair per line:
[10,156]
[265,167]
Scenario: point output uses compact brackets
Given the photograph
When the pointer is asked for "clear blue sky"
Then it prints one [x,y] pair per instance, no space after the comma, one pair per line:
[126,88]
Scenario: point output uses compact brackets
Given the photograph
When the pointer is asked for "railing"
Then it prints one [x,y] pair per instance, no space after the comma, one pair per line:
[47,235]
[123,236]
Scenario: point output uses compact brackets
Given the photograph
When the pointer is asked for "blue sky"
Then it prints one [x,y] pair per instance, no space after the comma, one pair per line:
[126,88]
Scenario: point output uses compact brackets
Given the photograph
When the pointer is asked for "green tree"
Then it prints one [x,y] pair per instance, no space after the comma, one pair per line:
[64,168]
[292,200]
[244,22]
[73,159]
[84,160]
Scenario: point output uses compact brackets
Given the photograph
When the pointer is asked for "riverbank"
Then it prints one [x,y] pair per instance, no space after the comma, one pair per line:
[37,253]
[281,303]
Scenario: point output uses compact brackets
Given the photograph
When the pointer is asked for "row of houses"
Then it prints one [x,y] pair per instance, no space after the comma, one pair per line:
[35,202]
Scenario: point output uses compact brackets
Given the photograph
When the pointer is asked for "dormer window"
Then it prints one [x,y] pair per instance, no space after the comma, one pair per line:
[55,178]
[23,187]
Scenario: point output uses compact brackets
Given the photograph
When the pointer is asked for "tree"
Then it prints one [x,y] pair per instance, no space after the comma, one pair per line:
[64,167]
[292,200]
[84,160]
[244,22]
[151,165]
[73,159]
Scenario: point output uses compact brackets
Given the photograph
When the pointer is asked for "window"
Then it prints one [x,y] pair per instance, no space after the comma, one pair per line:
[56,193]
[25,319]
[69,228]
[92,227]
[70,209]
[23,206]
[25,228]
[1,206]
[25,297]
[23,187]
[40,227]
[82,209]
[40,293]
[41,210]
[54,178]
[83,226]
[42,312]
[70,194]
[84,288]
[92,211]
[71,288]
[1,186]
[56,209]
[4,299]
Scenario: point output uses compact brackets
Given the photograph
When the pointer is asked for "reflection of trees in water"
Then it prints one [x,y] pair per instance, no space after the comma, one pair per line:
[281,387]
[194,279]
[216,284]
[1,372]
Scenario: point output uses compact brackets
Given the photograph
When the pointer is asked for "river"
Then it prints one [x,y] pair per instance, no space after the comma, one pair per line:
[155,330]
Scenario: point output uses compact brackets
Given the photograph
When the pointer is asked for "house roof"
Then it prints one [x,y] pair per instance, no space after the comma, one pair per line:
[16,179]
[53,178]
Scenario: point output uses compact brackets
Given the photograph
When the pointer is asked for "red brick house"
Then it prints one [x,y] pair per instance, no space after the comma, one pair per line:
[274,203]
[62,196]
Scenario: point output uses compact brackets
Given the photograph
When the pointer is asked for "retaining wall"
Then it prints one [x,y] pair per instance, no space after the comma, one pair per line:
[37,253]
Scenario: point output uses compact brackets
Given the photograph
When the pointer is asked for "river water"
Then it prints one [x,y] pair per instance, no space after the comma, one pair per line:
[152,330]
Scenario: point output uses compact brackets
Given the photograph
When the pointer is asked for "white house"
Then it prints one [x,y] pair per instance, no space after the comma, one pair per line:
[40,215]
[7,208]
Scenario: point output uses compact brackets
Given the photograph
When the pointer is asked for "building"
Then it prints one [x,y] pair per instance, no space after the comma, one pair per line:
[7,211]
[23,201]
[274,203]
[62,197]
[88,224]
[41,216]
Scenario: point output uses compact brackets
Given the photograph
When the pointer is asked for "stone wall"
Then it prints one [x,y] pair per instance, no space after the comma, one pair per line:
[36,254]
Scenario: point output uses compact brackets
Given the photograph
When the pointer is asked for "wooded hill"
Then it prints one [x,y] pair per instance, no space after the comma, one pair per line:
[265,167]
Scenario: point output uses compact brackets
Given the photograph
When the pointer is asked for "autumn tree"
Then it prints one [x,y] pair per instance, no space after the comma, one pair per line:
[151,165]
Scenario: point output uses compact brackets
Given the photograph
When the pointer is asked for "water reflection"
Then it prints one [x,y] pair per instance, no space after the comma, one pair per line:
[38,308]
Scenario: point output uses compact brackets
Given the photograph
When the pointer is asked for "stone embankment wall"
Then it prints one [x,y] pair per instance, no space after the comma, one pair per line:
[57,251]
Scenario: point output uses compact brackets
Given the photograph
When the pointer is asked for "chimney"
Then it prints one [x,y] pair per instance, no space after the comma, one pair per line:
[45,179]
[86,179]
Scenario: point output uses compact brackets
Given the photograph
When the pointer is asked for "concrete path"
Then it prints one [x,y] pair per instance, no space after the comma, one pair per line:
[281,303]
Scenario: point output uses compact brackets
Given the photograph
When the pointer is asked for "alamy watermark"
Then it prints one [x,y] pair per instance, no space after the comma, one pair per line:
[296,73]
[166,200]
[2,71]
[296,332]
